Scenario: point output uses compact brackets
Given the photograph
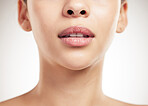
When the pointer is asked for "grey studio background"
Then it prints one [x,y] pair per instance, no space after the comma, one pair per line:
[125,74]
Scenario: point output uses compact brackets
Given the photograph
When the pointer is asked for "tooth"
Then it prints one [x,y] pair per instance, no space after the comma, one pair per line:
[74,34]
[79,35]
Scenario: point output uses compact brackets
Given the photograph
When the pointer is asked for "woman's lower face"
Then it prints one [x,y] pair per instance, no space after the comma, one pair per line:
[63,29]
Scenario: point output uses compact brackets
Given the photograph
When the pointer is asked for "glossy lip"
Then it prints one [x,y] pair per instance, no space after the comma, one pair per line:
[76,29]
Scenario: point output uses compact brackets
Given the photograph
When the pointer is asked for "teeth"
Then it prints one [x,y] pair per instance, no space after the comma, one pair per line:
[79,35]
[73,35]
[76,35]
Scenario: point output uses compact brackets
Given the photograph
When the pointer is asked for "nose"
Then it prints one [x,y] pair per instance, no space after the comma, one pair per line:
[75,8]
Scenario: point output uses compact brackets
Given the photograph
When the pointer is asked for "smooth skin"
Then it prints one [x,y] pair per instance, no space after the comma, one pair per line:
[70,76]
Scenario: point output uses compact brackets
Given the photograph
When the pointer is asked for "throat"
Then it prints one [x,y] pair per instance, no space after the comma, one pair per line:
[60,86]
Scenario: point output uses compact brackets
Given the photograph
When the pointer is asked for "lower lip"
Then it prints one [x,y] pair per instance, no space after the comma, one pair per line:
[75,41]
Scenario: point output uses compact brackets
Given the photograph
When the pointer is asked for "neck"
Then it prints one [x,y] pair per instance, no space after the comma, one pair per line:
[59,86]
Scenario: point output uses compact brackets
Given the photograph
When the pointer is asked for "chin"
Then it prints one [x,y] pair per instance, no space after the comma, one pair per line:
[77,63]
[76,67]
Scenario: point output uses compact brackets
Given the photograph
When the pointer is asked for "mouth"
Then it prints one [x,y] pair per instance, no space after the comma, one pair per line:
[76,36]
[76,32]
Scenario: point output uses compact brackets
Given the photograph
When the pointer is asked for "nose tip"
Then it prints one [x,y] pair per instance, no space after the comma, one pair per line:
[76,9]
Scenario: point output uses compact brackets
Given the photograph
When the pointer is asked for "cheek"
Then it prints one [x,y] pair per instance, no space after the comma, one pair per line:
[104,22]
[44,15]
[105,18]
[43,21]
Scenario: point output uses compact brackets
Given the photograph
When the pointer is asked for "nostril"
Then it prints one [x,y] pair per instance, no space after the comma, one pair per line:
[83,12]
[70,12]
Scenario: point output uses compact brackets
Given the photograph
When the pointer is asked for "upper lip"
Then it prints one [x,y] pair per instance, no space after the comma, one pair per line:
[76,29]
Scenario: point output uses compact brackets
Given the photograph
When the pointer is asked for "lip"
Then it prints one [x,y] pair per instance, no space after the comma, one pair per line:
[76,41]
[76,29]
